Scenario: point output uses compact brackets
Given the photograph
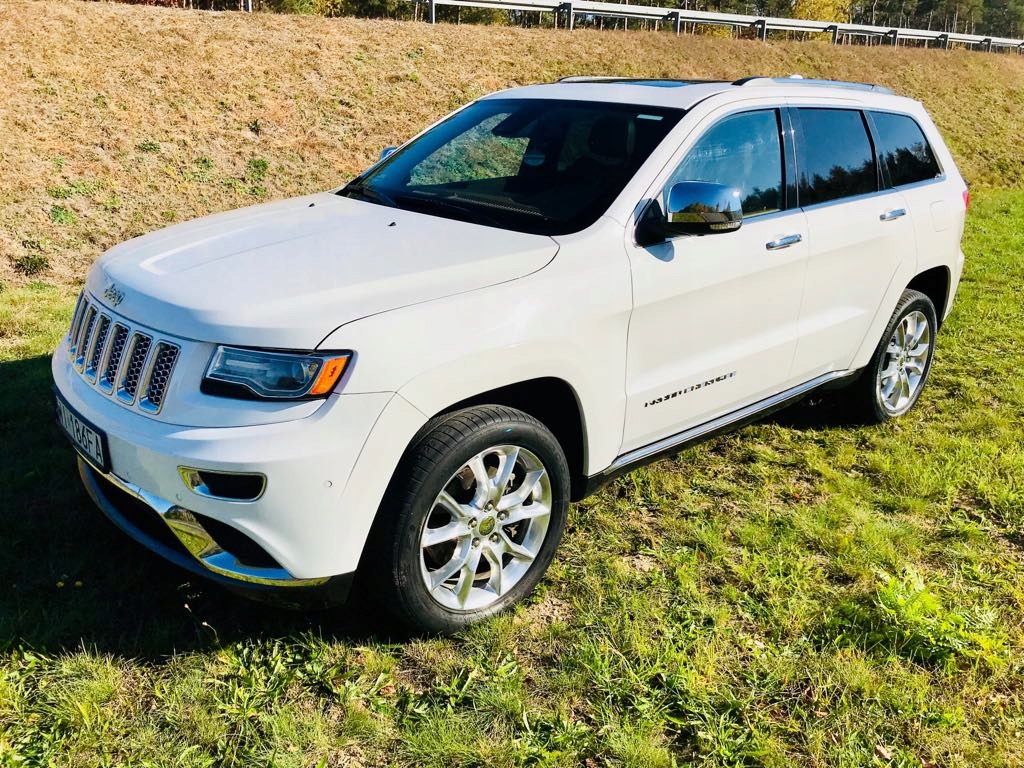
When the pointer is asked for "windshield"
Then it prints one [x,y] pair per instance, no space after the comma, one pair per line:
[531,165]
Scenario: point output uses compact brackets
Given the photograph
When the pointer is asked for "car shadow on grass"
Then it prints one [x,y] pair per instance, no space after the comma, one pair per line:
[69,579]
[823,410]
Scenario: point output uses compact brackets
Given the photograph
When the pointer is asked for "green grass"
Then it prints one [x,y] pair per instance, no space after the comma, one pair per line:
[799,593]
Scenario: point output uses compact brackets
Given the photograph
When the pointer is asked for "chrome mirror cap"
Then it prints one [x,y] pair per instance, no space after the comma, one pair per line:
[702,208]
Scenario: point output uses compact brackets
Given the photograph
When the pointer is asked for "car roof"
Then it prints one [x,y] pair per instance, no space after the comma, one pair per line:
[684,94]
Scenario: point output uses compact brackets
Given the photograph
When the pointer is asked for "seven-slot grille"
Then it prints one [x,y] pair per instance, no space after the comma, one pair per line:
[120,360]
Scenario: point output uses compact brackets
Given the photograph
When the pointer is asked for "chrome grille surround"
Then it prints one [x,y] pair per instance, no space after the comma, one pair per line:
[119,359]
[161,368]
[85,336]
[114,356]
[97,346]
[135,366]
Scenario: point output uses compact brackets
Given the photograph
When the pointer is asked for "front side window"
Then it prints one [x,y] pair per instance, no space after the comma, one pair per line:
[835,157]
[741,151]
[904,150]
[544,166]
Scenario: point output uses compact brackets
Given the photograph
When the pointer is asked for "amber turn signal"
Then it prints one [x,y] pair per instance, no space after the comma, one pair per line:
[330,372]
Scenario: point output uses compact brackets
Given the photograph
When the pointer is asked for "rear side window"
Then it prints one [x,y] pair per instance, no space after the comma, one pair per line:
[904,150]
[835,157]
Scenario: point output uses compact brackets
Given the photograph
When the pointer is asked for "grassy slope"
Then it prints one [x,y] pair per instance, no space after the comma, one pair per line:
[115,120]
[800,593]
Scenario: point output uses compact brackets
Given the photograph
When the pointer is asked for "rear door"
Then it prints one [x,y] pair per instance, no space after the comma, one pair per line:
[933,204]
[860,235]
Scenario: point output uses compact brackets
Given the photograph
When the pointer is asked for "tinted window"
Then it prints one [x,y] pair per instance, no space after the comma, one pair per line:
[741,151]
[904,149]
[532,165]
[835,157]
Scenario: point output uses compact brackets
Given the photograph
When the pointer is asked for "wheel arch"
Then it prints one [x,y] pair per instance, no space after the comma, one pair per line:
[934,283]
[555,404]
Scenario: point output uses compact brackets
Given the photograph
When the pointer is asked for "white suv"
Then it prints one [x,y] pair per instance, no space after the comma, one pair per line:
[412,376]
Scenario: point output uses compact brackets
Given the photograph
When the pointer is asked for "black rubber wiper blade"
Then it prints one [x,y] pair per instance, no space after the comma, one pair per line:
[471,212]
[368,193]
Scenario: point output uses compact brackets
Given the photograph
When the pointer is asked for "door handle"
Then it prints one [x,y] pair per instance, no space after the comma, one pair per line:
[895,213]
[783,242]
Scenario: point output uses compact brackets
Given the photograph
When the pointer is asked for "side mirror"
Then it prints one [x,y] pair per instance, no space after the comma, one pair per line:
[387,152]
[702,208]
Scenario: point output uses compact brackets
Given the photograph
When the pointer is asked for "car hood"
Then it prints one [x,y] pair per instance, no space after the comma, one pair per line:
[286,274]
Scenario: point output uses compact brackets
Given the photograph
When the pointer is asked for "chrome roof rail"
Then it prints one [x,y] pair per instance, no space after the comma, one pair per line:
[800,80]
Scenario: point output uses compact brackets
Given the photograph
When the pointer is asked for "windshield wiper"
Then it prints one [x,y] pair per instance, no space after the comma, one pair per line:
[368,193]
[470,212]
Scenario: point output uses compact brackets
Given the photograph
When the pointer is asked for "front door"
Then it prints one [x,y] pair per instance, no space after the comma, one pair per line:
[714,323]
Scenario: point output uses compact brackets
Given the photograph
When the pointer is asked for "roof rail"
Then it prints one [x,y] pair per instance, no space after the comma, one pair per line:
[800,80]
[634,80]
[586,79]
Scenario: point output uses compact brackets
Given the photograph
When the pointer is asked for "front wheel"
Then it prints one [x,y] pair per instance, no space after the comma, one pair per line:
[472,521]
[894,378]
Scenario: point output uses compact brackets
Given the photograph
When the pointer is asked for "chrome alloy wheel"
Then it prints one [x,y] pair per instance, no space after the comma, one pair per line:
[485,528]
[905,363]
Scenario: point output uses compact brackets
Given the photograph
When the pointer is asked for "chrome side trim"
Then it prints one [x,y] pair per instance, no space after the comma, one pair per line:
[188,530]
[722,422]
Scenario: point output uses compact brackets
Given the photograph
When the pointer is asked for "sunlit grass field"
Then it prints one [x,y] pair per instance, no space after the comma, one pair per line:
[798,593]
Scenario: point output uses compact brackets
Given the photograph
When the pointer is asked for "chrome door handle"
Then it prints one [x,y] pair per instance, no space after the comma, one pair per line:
[895,213]
[783,242]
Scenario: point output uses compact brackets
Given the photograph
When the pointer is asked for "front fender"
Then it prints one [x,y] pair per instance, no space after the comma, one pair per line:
[568,321]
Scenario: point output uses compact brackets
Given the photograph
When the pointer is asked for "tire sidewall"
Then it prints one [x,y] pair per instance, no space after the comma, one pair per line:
[913,302]
[406,567]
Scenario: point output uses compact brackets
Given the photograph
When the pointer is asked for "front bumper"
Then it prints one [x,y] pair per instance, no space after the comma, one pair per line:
[312,518]
[177,535]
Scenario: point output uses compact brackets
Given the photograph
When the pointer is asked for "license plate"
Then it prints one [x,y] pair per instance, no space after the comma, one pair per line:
[90,441]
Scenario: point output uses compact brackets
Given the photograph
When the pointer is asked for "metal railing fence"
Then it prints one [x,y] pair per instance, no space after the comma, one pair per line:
[569,10]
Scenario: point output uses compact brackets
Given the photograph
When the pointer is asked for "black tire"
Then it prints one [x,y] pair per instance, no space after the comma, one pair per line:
[392,571]
[864,398]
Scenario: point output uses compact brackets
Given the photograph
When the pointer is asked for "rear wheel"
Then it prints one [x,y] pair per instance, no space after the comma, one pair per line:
[472,520]
[895,377]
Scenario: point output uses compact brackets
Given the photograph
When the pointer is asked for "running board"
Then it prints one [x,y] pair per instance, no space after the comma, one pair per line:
[725,423]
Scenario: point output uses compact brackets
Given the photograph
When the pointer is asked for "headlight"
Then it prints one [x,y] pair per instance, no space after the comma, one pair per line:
[262,375]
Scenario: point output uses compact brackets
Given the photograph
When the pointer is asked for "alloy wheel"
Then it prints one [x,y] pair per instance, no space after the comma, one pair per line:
[485,528]
[905,363]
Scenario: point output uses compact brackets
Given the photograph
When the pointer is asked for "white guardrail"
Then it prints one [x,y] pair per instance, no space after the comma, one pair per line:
[761,25]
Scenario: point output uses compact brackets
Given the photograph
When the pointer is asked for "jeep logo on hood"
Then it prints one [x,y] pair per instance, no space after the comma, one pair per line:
[113,295]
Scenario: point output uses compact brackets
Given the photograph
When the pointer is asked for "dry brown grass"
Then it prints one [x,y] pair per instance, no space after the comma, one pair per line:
[115,119]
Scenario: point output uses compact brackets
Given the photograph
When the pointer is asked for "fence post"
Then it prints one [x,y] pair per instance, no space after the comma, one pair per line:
[567,9]
[760,28]
[431,11]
